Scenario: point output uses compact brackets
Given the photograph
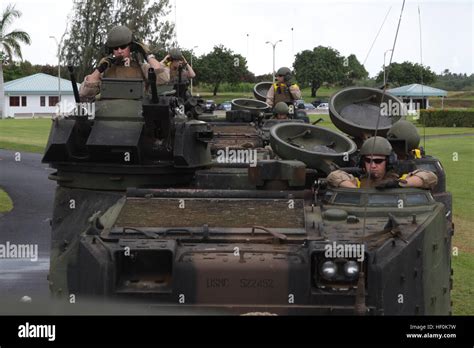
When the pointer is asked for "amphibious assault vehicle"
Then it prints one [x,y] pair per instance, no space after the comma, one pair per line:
[154,205]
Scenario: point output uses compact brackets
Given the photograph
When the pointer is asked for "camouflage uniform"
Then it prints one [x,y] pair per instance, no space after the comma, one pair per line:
[91,89]
[283,92]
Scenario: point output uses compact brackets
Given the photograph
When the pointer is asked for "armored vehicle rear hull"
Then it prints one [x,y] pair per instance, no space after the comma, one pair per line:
[210,252]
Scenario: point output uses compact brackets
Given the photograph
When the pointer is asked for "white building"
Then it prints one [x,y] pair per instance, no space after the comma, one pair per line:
[35,95]
[416,96]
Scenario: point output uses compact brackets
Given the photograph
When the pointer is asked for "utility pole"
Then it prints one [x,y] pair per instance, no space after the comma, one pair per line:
[273,45]
[192,54]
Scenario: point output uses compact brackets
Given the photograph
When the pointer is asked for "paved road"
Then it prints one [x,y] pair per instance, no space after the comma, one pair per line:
[26,181]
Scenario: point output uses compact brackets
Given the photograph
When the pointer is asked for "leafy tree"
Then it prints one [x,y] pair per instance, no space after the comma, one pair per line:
[406,73]
[17,70]
[264,78]
[9,44]
[219,66]
[454,82]
[92,19]
[321,65]
[353,71]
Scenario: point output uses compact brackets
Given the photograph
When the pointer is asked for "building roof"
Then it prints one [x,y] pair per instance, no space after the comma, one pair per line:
[38,84]
[417,90]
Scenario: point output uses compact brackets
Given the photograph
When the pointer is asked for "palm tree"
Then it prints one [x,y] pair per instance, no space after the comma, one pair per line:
[9,44]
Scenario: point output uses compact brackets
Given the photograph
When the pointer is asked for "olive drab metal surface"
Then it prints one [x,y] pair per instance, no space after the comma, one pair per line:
[254,106]
[356,111]
[260,90]
[235,214]
[317,147]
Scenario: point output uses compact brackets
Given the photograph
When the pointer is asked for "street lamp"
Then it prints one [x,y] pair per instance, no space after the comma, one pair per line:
[192,50]
[59,66]
[384,54]
[274,45]
[247,47]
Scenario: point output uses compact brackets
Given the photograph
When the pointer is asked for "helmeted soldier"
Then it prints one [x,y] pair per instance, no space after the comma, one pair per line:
[280,111]
[283,90]
[175,62]
[407,132]
[377,161]
[120,63]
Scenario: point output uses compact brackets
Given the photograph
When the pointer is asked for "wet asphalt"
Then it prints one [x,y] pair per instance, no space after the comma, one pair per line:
[25,179]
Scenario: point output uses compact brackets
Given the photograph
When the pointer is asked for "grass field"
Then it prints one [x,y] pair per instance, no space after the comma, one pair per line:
[31,135]
[6,203]
[28,135]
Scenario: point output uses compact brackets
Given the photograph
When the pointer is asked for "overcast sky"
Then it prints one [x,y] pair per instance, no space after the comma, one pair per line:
[349,26]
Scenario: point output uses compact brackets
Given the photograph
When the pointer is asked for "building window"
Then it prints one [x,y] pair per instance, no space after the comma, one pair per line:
[23,101]
[14,101]
[42,101]
[53,100]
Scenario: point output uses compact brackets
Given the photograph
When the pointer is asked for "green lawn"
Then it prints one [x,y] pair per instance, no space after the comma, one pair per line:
[6,203]
[28,135]
[462,294]
[460,182]
[459,173]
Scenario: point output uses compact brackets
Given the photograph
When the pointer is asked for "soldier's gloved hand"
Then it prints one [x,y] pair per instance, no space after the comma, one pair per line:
[388,184]
[142,49]
[105,63]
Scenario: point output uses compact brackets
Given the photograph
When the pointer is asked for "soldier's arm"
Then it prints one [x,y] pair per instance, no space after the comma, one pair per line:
[90,87]
[340,178]
[155,64]
[162,72]
[295,91]
[270,96]
[190,72]
[420,178]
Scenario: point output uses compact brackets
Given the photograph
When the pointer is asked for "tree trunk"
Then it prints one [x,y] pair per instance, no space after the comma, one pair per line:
[314,87]
[2,93]
[216,87]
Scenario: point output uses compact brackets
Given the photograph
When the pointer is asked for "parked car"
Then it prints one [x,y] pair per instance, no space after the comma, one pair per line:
[298,102]
[318,101]
[209,106]
[226,106]
[323,106]
[309,106]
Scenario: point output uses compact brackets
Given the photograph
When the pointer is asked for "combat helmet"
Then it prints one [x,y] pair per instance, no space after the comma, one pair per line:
[405,130]
[281,108]
[118,36]
[381,147]
[176,54]
[284,71]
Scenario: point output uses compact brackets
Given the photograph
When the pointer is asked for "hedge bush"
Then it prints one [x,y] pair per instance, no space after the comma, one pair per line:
[447,117]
